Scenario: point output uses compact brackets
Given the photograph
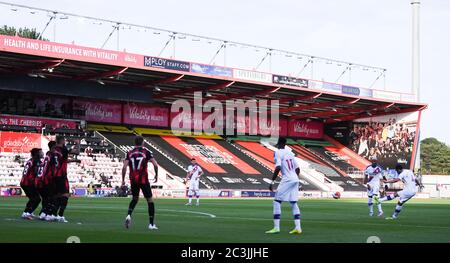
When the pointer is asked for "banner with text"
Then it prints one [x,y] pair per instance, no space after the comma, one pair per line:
[166,64]
[252,75]
[305,129]
[290,81]
[145,115]
[211,70]
[36,122]
[99,111]
[350,90]
[187,121]
[57,50]
[19,142]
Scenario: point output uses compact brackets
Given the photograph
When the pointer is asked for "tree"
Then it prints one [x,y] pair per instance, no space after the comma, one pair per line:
[21,32]
[434,156]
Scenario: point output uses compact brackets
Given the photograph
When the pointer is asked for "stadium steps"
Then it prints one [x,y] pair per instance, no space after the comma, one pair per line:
[320,181]
[343,180]
[264,153]
[228,173]
[168,160]
[359,162]
[253,157]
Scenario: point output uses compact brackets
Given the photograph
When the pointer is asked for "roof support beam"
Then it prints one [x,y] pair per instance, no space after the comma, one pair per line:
[192,90]
[245,94]
[343,111]
[319,105]
[300,98]
[158,81]
[372,114]
[105,74]
[46,65]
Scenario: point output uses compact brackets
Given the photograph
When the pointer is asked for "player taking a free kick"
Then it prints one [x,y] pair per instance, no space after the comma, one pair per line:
[408,192]
[137,160]
[193,174]
[288,187]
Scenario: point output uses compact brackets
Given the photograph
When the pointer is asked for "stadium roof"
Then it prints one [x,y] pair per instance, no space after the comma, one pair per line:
[166,85]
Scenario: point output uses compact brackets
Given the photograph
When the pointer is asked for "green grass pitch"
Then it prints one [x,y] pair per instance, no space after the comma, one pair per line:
[228,220]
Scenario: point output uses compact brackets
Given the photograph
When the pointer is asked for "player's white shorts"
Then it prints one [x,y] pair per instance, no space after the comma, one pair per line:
[373,191]
[287,191]
[405,195]
[193,185]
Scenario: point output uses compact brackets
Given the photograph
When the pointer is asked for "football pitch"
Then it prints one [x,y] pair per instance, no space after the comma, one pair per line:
[228,220]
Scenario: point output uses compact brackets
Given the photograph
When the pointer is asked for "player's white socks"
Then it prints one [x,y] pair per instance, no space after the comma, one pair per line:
[190,199]
[296,214]
[276,214]
[380,210]
[398,209]
[370,203]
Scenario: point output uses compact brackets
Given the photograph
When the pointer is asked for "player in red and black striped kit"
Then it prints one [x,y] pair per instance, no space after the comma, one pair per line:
[61,180]
[137,161]
[30,172]
[45,184]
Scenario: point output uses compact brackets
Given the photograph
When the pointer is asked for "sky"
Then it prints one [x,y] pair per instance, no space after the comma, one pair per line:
[370,32]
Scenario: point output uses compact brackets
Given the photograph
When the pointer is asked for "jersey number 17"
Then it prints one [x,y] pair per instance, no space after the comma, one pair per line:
[136,163]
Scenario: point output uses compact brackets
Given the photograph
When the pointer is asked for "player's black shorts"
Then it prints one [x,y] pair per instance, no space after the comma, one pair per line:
[30,191]
[62,184]
[48,190]
[146,190]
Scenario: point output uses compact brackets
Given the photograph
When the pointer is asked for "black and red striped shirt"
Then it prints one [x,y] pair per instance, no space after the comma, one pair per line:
[138,159]
[47,170]
[61,156]
[30,172]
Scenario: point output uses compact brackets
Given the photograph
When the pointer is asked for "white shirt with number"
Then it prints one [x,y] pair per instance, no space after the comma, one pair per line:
[375,174]
[286,160]
[195,177]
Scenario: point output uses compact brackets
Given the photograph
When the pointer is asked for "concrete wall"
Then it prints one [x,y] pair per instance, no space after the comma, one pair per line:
[437,185]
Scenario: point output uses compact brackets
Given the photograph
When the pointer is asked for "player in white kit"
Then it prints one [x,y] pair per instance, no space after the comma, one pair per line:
[288,188]
[373,175]
[193,175]
[409,189]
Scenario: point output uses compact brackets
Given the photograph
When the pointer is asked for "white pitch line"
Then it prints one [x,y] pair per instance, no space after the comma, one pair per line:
[189,212]
[11,219]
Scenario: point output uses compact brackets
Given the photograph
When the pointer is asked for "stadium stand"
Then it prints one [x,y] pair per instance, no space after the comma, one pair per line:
[11,167]
[330,165]
[225,165]
[173,173]
[312,164]
[264,155]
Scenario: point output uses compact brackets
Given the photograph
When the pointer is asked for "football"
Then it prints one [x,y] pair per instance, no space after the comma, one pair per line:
[336,195]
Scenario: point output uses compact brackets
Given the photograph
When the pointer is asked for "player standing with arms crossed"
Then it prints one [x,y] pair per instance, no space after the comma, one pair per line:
[373,176]
[30,172]
[408,192]
[193,174]
[137,160]
[288,187]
